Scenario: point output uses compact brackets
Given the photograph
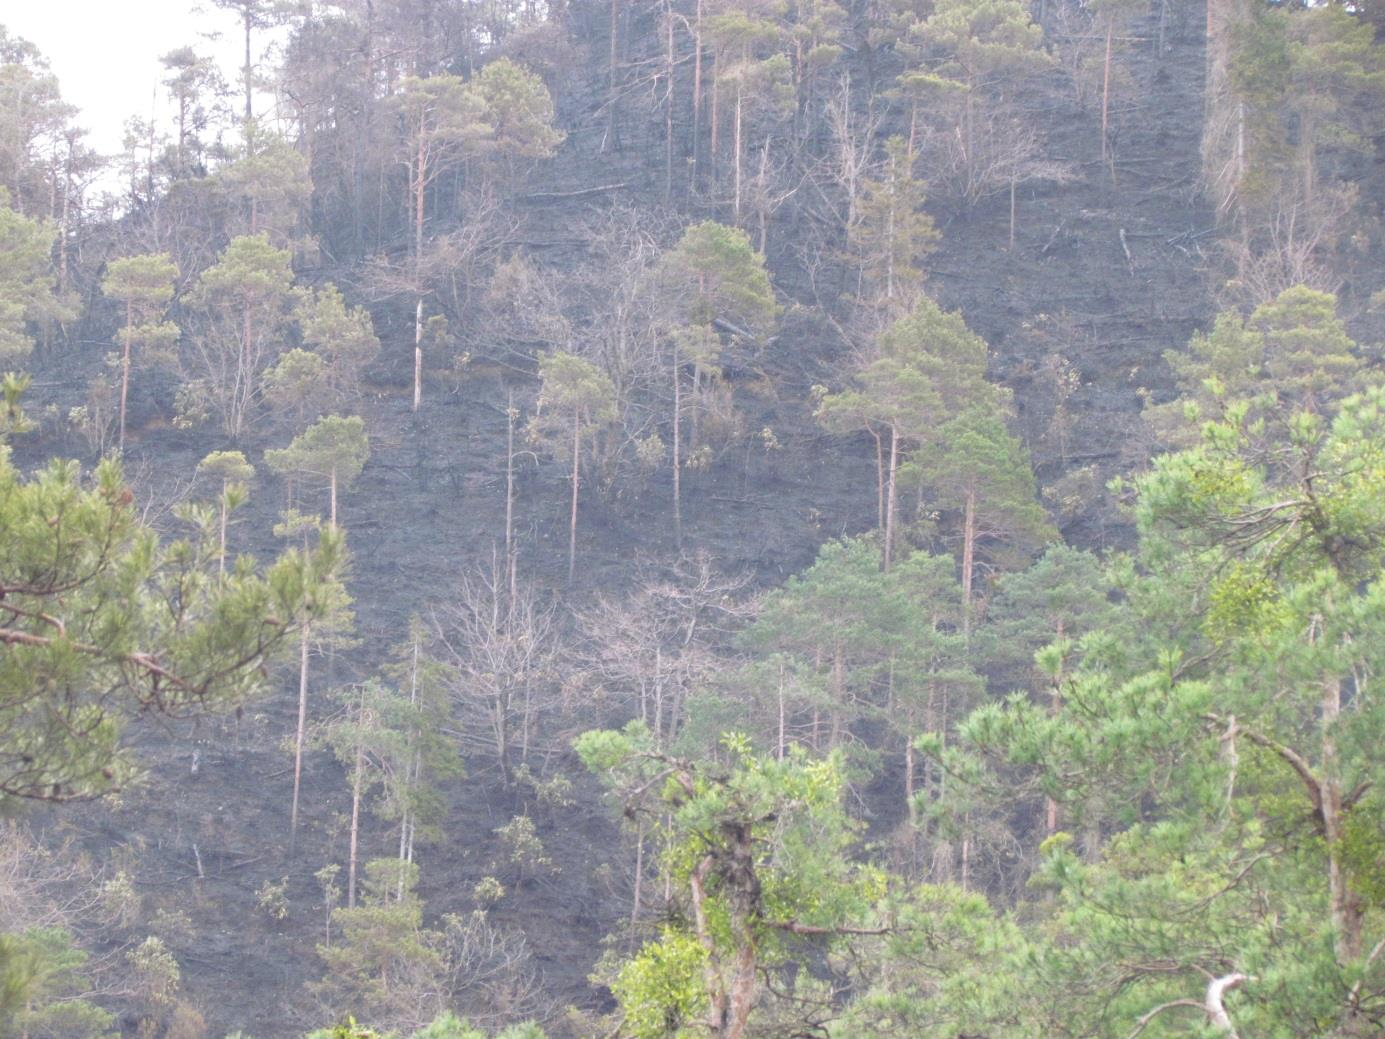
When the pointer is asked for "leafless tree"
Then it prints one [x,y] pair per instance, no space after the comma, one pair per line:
[658,645]
[492,976]
[1296,244]
[42,886]
[502,650]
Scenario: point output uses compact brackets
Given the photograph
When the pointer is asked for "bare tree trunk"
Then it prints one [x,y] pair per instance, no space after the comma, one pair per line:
[240,402]
[891,496]
[639,882]
[1106,90]
[968,561]
[413,771]
[249,71]
[697,96]
[302,731]
[332,511]
[221,540]
[502,735]
[677,450]
[420,197]
[838,692]
[668,104]
[576,480]
[125,367]
[418,353]
[510,416]
[1055,707]
[780,749]
[736,147]
[65,214]
[357,786]
[879,479]
[715,115]
[1012,211]
[1216,1006]
[966,852]
[611,75]
[1346,906]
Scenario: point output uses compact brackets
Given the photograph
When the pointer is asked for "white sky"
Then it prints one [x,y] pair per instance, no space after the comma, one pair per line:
[105,53]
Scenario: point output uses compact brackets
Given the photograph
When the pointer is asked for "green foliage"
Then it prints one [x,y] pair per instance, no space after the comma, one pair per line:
[713,274]
[574,395]
[270,180]
[927,364]
[385,966]
[144,285]
[984,472]
[975,43]
[1216,768]
[448,1025]
[272,899]
[1063,595]
[296,387]
[660,988]
[27,282]
[334,449]
[1311,80]
[342,337]
[444,119]
[243,303]
[893,233]
[42,987]
[100,620]
[758,849]
[518,111]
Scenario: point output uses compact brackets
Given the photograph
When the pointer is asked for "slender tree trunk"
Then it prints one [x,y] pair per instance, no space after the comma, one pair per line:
[677,451]
[1346,906]
[668,103]
[780,748]
[879,478]
[736,147]
[639,883]
[576,480]
[125,367]
[1055,707]
[891,496]
[909,783]
[418,353]
[413,773]
[611,74]
[221,539]
[357,788]
[838,692]
[1106,91]
[244,378]
[302,732]
[968,561]
[65,214]
[249,72]
[332,511]
[420,191]
[715,114]
[697,97]
[1012,212]
[658,697]
[510,490]
[966,852]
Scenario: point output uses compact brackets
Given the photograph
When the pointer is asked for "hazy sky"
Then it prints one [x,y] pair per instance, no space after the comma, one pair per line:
[105,53]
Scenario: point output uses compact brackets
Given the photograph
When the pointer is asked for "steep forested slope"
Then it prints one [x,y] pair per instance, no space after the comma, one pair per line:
[1054,167]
